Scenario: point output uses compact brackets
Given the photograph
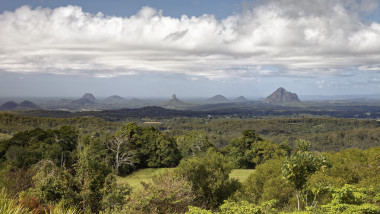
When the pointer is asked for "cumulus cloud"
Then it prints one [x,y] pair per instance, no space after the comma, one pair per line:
[299,37]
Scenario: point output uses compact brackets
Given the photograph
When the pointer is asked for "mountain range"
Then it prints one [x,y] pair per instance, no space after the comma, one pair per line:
[24,105]
[89,102]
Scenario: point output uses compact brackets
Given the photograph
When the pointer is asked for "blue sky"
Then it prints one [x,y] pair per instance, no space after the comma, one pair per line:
[193,48]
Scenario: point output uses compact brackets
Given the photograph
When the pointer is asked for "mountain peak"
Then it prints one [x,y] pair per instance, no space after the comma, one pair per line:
[89,96]
[281,95]
[241,99]
[26,104]
[217,99]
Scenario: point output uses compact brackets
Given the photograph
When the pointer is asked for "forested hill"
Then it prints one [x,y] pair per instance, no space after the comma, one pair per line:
[226,109]
[325,133]
[10,123]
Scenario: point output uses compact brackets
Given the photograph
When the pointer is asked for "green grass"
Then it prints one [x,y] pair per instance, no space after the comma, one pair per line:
[146,175]
[241,174]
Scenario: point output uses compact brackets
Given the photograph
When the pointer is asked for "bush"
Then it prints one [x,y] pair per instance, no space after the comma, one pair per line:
[209,177]
[9,205]
[169,193]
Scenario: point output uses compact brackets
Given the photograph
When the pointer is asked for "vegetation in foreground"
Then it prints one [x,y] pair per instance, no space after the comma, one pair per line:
[47,170]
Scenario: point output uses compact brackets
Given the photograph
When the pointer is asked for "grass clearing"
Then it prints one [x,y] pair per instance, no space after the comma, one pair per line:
[146,175]
[241,174]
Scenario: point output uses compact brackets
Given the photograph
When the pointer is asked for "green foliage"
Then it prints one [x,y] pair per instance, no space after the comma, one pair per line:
[266,183]
[158,150]
[298,168]
[11,123]
[242,207]
[91,171]
[10,205]
[193,144]
[29,147]
[168,193]
[250,150]
[350,199]
[120,147]
[53,185]
[114,195]
[349,195]
[209,177]
[146,147]
[198,210]
[61,209]
[354,166]
[240,149]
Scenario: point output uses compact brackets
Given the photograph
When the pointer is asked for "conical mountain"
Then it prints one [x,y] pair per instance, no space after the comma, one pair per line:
[87,99]
[217,99]
[281,96]
[89,96]
[10,105]
[241,99]
[115,99]
[26,104]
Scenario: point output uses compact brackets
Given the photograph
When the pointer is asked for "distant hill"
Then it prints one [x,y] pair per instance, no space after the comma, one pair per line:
[115,99]
[82,101]
[281,96]
[175,103]
[24,105]
[10,105]
[217,99]
[90,97]
[87,99]
[240,99]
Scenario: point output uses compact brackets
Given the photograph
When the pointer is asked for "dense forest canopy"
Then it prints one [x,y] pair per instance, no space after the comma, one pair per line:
[318,165]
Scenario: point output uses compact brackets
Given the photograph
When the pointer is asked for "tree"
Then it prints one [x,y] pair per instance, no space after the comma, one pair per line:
[158,150]
[298,168]
[122,156]
[209,176]
[53,184]
[114,195]
[193,144]
[91,171]
[29,147]
[251,150]
[239,149]
[266,183]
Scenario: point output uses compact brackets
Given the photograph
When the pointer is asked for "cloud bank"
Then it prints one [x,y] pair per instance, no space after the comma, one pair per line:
[300,38]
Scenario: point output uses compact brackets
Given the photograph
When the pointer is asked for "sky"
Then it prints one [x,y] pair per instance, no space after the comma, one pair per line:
[193,48]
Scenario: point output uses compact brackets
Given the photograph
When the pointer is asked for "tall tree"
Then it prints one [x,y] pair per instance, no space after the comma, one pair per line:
[91,171]
[298,168]
[124,146]
[122,156]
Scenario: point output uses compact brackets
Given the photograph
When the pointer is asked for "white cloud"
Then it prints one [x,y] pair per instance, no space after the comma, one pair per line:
[300,37]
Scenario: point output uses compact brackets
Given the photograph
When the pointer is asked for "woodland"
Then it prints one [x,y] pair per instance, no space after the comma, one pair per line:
[303,164]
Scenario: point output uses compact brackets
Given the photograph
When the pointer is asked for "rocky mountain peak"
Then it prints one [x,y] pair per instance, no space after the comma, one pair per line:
[281,95]
[89,96]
